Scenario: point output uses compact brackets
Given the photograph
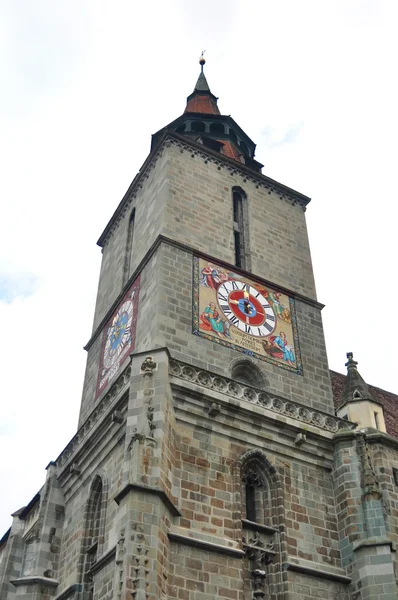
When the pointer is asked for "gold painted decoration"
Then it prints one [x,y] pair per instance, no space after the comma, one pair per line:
[242,313]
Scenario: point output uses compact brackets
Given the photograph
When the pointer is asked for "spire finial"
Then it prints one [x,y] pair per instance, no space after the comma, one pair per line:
[202,61]
[351,363]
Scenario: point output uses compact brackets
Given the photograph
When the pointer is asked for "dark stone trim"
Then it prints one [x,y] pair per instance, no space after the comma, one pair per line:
[246,524]
[161,239]
[201,545]
[103,561]
[318,573]
[5,537]
[146,489]
[35,580]
[67,593]
[28,508]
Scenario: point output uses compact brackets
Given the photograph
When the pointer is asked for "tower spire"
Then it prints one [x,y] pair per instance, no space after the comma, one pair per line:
[202,100]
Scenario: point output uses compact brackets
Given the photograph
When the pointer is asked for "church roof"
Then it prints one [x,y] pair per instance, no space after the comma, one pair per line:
[388,400]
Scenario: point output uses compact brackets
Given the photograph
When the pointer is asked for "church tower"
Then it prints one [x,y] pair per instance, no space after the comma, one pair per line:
[202,465]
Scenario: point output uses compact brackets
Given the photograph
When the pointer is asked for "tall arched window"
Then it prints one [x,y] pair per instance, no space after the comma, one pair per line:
[95,522]
[129,247]
[240,215]
[256,494]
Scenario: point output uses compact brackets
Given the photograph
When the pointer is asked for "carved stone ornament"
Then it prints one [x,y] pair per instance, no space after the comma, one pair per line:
[259,554]
[149,365]
[252,478]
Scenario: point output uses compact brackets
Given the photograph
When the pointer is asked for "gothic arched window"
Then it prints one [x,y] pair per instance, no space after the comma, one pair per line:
[255,492]
[241,238]
[95,525]
[129,247]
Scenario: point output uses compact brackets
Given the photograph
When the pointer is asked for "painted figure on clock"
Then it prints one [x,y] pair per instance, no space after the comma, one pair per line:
[119,337]
[244,314]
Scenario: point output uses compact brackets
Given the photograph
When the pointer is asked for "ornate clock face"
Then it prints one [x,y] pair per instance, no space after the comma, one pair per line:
[246,308]
[119,337]
[244,314]
[119,333]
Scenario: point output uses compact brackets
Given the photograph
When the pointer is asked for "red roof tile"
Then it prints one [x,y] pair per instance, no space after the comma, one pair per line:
[230,151]
[202,104]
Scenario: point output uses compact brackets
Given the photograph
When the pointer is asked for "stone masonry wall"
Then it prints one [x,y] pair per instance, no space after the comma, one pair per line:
[174,324]
[189,199]
[199,213]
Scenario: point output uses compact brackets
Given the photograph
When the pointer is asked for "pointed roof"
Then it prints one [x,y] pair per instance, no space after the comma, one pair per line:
[355,387]
[201,100]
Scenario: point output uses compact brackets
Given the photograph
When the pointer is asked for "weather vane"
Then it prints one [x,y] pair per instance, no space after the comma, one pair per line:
[202,59]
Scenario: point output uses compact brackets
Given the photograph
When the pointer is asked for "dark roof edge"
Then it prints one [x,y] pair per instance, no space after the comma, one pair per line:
[207,116]
[29,506]
[374,387]
[297,196]
[5,537]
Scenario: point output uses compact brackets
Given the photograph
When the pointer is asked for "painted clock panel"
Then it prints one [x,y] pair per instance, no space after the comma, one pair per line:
[119,337]
[245,315]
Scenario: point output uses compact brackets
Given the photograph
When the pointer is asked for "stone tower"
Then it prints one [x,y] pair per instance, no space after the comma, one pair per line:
[208,462]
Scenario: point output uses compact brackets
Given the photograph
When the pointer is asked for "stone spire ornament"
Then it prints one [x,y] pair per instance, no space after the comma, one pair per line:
[355,387]
[357,401]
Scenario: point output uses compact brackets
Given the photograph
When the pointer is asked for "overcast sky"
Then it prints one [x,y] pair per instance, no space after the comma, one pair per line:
[83,86]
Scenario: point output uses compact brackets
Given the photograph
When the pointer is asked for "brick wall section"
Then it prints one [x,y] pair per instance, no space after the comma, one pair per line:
[200,575]
[302,587]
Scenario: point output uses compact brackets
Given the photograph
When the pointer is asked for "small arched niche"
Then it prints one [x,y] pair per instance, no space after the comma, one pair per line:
[198,126]
[246,372]
[217,128]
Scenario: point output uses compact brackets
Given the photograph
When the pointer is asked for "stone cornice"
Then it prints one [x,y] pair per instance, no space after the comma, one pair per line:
[266,400]
[186,540]
[109,402]
[69,591]
[372,436]
[104,560]
[315,572]
[196,149]
[147,489]
[379,437]
[161,239]
[35,580]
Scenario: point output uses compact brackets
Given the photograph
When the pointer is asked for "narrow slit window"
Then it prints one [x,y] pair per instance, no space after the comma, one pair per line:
[129,247]
[239,238]
[250,503]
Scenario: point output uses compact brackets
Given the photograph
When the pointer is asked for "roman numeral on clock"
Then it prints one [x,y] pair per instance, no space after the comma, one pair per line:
[220,296]
[225,308]
[248,329]
[234,320]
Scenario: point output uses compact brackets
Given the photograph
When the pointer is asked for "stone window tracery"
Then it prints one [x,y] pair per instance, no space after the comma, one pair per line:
[254,491]
[95,525]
